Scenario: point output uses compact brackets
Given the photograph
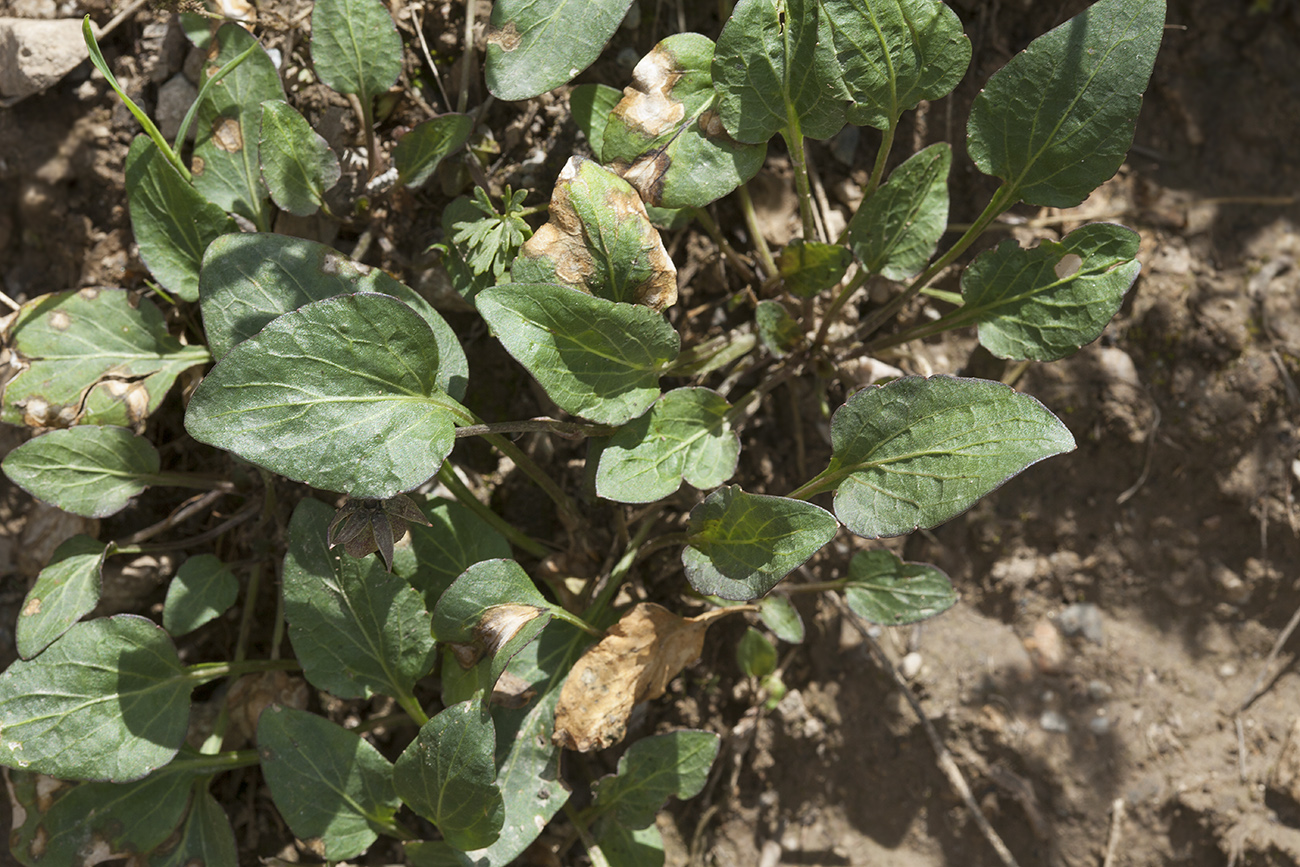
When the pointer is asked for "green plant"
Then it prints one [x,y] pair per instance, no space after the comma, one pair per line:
[340,377]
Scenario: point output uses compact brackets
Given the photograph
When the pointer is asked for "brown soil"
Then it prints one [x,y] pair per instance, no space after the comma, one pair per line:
[1175,518]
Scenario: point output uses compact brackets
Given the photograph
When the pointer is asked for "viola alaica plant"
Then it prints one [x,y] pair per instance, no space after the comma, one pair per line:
[339,394]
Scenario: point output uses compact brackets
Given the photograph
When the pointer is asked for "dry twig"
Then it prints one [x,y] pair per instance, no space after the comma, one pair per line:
[1116,831]
[946,762]
[1258,686]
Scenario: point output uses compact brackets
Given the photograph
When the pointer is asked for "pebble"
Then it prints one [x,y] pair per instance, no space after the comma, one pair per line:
[1046,647]
[35,54]
[1227,670]
[910,665]
[1099,690]
[174,100]
[1099,725]
[1082,618]
[1051,721]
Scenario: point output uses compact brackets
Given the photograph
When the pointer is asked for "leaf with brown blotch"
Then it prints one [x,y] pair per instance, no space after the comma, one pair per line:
[634,662]
[599,241]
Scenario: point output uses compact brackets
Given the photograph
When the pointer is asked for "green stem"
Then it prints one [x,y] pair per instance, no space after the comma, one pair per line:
[1004,198]
[741,406]
[205,672]
[823,481]
[413,709]
[794,141]
[882,157]
[227,761]
[567,507]
[838,304]
[197,481]
[634,550]
[817,586]
[574,620]
[466,497]
[755,233]
[570,429]
[368,124]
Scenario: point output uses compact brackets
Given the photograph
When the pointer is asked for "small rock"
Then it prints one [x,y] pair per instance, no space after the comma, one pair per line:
[1234,590]
[1284,778]
[1099,725]
[36,54]
[910,665]
[1099,690]
[1046,647]
[1082,618]
[1227,670]
[1053,722]
[174,100]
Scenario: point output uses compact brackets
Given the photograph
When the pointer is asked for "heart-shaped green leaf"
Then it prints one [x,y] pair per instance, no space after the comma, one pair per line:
[355,47]
[204,588]
[1057,121]
[437,555]
[63,825]
[741,545]
[918,451]
[599,240]
[205,838]
[883,589]
[226,167]
[109,700]
[623,847]
[448,776]
[341,394]
[172,221]
[356,628]
[66,590]
[809,268]
[327,782]
[93,357]
[1045,303]
[895,53]
[775,69]
[755,654]
[297,164]
[87,470]
[537,45]
[653,769]
[250,279]
[894,233]
[595,358]
[665,135]
[421,150]
[684,435]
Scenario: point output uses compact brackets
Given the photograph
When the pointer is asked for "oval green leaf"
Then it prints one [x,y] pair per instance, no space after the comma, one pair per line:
[741,545]
[297,164]
[438,554]
[448,776]
[87,470]
[66,590]
[653,769]
[895,53]
[93,357]
[250,279]
[774,69]
[355,628]
[595,358]
[809,268]
[205,840]
[779,615]
[665,136]
[341,394]
[421,150]
[685,435]
[780,332]
[537,45]
[172,221]
[1039,304]
[919,451]
[355,47]
[1057,121]
[883,589]
[204,588]
[226,167]
[755,654]
[327,782]
[109,700]
[894,233]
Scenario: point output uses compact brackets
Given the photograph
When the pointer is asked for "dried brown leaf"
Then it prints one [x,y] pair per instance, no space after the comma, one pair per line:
[634,662]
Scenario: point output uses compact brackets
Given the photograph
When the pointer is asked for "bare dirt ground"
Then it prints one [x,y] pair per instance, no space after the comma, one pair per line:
[1118,603]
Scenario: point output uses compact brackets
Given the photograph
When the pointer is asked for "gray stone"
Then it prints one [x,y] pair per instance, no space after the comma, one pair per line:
[1082,618]
[174,100]
[36,54]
